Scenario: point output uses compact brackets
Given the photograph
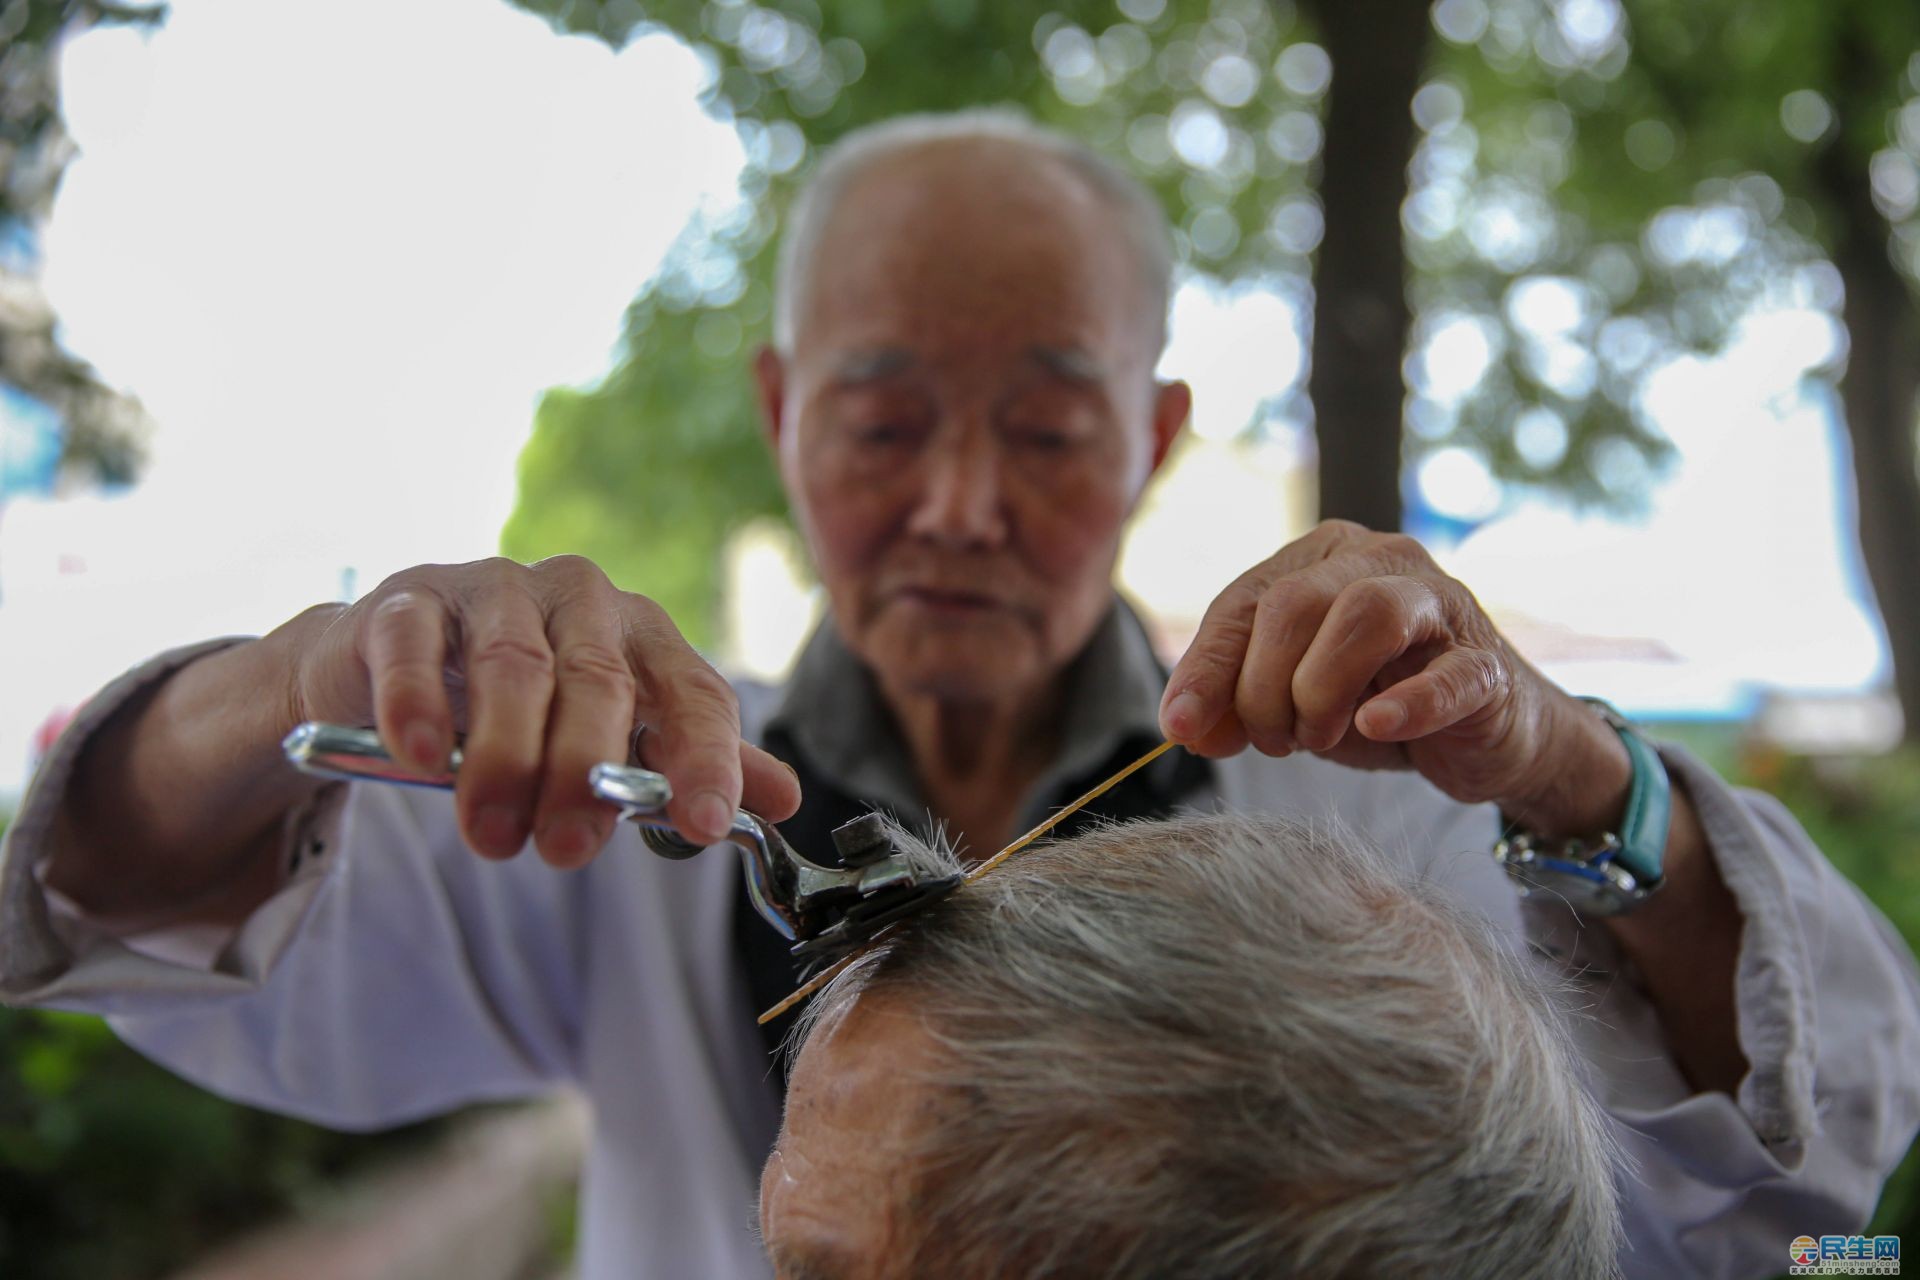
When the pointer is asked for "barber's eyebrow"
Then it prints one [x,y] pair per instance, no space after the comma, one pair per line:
[810,1262]
[1070,363]
[871,365]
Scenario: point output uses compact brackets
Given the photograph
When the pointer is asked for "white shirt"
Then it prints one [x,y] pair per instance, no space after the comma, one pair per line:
[395,975]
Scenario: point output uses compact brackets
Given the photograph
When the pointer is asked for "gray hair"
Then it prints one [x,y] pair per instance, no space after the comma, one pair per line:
[1141,215]
[1233,1046]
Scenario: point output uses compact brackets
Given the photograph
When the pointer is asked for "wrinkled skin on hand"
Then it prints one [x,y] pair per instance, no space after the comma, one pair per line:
[546,669]
[1355,646]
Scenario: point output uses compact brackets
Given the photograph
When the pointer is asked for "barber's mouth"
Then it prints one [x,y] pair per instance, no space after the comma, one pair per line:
[954,603]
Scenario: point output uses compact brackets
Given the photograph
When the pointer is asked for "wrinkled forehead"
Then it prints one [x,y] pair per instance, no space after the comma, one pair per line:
[967,246]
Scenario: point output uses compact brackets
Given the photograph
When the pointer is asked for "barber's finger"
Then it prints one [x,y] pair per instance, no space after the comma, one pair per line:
[770,786]
[1200,690]
[510,683]
[1204,682]
[590,721]
[1370,624]
[694,718]
[1290,614]
[1455,686]
[404,647]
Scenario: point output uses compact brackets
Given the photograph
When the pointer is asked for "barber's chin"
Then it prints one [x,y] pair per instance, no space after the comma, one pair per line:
[958,682]
[964,662]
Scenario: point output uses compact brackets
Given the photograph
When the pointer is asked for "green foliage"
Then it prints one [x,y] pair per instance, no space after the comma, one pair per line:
[110,1167]
[1620,154]
[799,72]
[1865,813]
[113,1169]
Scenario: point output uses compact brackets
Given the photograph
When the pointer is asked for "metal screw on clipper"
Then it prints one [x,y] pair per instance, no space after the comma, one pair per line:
[863,841]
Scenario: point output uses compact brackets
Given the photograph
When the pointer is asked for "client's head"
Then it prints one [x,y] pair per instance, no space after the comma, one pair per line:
[1211,1047]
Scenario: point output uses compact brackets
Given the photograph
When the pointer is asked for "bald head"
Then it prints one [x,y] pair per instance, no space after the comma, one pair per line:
[978,174]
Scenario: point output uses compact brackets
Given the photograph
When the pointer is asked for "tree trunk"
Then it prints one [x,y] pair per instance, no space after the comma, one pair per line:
[1880,390]
[1360,314]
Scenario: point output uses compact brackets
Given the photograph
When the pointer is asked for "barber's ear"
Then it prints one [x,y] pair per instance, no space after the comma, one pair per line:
[1172,402]
[770,385]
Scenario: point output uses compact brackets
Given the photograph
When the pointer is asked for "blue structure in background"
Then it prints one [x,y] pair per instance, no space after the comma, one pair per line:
[19,249]
[31,432]
[31,435]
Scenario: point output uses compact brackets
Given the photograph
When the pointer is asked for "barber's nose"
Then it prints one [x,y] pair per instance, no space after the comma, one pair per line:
[960,495]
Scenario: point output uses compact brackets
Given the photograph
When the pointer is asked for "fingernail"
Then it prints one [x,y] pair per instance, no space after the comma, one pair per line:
[569,839]
[423,745]
[1385,715]
[711,815]
[497,828]
[1183,713]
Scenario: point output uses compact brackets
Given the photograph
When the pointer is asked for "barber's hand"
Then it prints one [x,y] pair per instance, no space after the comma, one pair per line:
[546,669]
[1355,646]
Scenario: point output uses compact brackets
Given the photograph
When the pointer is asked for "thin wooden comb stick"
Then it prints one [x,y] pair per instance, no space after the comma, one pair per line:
[832,971]
[1068,812]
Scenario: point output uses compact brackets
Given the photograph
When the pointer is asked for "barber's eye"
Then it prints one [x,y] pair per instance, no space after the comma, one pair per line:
[884,435]
[1042,439]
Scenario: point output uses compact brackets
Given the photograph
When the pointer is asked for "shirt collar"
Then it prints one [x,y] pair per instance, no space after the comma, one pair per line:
[832,710]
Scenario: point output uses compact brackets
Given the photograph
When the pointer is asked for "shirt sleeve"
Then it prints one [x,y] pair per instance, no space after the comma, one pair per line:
[1828,1015]
[391,975]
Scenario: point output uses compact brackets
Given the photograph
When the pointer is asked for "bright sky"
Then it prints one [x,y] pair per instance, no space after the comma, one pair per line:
[339,250]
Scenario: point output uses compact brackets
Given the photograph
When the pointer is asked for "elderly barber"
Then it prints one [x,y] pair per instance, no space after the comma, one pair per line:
[963,402]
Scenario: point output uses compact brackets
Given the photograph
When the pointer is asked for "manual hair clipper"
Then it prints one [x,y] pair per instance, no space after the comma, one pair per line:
[825,911]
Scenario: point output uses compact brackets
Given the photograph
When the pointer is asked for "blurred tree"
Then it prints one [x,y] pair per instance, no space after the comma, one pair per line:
[1361,319]
[1606,184]
[1861,205]
[102,430]
[1531,215]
